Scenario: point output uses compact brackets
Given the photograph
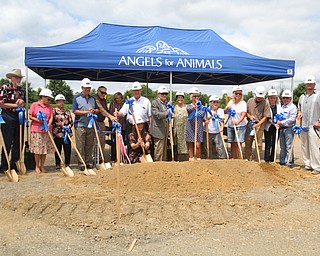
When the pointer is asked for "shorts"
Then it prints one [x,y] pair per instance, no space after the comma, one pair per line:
[241,134]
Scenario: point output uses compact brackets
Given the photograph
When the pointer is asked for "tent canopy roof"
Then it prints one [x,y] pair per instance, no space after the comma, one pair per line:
[149,53]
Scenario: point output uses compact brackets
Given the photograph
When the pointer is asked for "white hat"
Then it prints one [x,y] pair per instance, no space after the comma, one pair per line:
[287,93]
[179,93]
[310,79]
[260,92]
[59,97]
[15,72]
[236,88]
[272,92]
[139,120]
[162,89]
[46,92]
[214,98]
[86,83]
[194,90]
[136,86]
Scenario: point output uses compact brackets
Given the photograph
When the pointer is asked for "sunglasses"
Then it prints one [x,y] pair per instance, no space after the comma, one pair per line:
[214,101]
[238,93]
[196,96]
[103,93]
[164,93]
[285,98]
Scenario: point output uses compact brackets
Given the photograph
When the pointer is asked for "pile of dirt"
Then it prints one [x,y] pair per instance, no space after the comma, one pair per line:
[155,198]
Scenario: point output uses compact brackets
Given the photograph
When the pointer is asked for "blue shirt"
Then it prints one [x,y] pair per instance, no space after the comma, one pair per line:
[80,102]
[290,114]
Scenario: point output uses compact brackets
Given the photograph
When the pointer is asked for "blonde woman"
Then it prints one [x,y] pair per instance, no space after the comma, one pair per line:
[239,108]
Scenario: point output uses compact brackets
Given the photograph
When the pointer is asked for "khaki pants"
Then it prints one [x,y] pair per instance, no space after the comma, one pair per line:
[249,141]
[310,149]
[85,140]
[160,149]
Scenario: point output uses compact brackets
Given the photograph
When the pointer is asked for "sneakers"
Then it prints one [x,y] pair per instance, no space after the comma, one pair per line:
[315,172]
[308,168]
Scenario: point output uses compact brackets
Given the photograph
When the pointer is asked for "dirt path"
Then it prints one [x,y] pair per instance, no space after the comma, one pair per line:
[222,207]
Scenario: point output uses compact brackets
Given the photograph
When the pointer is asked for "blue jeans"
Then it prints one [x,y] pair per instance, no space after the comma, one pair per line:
[286,138]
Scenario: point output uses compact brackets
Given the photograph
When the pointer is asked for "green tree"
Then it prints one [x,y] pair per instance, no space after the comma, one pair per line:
[297,92]
[248,96]
[61,87]
[32,94]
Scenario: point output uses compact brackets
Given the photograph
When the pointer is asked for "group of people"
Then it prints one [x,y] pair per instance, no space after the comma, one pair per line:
[145,126]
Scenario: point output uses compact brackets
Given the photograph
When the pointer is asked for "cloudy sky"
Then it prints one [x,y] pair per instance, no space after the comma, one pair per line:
[272,28]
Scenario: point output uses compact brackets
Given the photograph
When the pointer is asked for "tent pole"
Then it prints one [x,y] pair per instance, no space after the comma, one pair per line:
[147,85]
[291,84]
[27,102]
[171,86]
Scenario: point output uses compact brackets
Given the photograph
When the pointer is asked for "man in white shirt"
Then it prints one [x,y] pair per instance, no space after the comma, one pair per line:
[309,113]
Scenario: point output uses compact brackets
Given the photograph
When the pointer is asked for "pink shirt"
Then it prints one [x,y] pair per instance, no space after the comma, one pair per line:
[34,110]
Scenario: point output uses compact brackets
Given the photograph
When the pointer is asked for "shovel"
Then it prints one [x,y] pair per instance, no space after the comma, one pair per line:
[171,140]
[276,145]
[11,174]
[103,166]
[195,136]
[20,166]
[256,143]
[237,138]
[65,170]
[223,142]
[86,171]
[144,158]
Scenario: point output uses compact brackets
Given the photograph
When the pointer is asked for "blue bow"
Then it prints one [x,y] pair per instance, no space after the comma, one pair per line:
[21,115]
[251,123]
[130,102]
[42,117]
[231,113]
[278,117]
[195,112]
[115,127]
[298,129]
[66,130]
[216,118]
[92,118]
[206,110]
[170,108]
[1,118]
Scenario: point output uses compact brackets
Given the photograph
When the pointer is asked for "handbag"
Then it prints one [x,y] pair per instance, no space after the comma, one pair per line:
[29,161]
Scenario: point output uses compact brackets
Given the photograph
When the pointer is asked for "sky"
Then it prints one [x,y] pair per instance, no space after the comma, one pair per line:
[273,29]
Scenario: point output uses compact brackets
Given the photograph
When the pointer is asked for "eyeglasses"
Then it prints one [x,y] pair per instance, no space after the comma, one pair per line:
[195,96]
[285,98]
[103,92]
[238,93]
[214,101]
[164,93]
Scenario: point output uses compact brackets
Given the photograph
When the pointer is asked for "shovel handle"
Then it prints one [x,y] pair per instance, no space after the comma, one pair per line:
[4,149]
[78,153]
[55,147]
[98,140]
[224,144]
[237,138]
[171,140]
[256,143]
[276,145]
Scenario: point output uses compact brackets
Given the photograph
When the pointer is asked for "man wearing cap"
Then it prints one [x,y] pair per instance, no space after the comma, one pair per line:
[159,127]
[286,134]
[11,97]
[103,113]
[309,113]
[141,107]
[258,111]
[84,104]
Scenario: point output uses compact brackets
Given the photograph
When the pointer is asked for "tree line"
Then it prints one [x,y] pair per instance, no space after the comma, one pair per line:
[61,87]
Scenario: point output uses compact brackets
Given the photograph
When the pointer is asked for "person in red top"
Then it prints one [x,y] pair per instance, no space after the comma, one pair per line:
[11,97]
[40,143]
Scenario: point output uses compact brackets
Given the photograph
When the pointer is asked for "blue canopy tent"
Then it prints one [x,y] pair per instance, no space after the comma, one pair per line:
[154,54]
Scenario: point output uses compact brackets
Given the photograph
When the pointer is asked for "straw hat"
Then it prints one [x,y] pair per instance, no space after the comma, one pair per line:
[15,72]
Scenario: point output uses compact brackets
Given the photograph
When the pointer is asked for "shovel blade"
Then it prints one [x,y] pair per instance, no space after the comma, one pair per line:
[149,158]
[8,174]
[92,172]
[14,175]
[86,172]
[69,171]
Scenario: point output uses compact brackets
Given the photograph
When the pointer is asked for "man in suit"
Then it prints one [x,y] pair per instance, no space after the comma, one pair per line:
[158,129]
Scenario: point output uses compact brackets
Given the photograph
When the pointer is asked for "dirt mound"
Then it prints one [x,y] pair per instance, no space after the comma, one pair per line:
[155,197]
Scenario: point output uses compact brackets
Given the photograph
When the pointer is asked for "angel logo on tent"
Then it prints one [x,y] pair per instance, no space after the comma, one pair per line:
[161,48]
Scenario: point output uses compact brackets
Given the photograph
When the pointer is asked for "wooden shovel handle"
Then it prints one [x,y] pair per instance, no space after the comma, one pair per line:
[78,153]
[237,138]
[4,149]
[257,146]
[98,140]
[55,147]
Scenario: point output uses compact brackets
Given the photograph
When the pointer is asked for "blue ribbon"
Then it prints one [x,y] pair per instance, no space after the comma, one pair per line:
[298,129]
[216,118]
[115,127]
[21,115]
[66,130]
[251,123]
[1,118]
[170,108]
[42,117]
[231,113]
[206,110]
[93,118]
[278,117]
[195,112]
[130,102]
